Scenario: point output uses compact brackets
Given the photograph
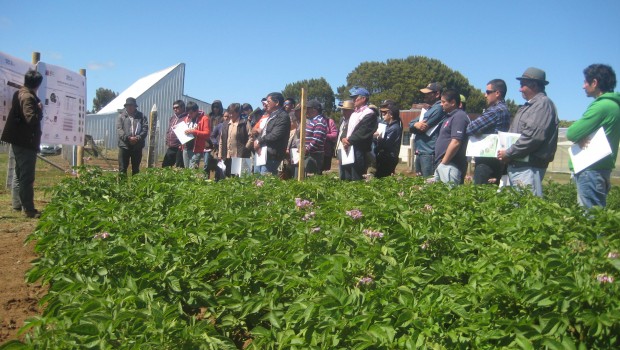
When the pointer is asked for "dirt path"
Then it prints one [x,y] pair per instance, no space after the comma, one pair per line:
[18,300]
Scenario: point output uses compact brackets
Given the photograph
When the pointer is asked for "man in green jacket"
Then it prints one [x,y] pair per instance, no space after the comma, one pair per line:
[593,183]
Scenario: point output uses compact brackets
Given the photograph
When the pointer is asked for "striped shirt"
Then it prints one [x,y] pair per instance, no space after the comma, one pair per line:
[316,132]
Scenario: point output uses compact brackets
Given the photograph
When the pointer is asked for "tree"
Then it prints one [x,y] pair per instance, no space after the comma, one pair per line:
[401,80]
[315,88]
[102,98]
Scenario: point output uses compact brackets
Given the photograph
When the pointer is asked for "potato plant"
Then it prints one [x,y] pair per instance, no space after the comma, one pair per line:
[169,260]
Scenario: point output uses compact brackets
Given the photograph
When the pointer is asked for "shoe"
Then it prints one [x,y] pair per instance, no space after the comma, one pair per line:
[18,209]
[35,214]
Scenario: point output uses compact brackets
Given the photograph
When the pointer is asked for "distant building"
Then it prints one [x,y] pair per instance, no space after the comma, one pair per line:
[160,88]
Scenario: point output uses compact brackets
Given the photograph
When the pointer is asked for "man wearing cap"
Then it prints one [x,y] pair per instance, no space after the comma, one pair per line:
[346,109]
[537,122]
[132,127]
[358,134]
[316,132]
[495,118]
[593,183]
[274,135]
[426,130]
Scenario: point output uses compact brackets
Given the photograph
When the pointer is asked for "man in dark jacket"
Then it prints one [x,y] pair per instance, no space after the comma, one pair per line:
[358,133]
[132,127]
[23,131]
[174,153]
[274,135]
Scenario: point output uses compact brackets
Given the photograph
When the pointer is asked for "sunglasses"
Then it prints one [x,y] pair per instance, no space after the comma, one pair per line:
[488,92]
[176,107]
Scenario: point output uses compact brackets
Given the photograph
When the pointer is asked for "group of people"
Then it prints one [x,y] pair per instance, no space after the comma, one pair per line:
[241,132]
[367,140]
[442,133]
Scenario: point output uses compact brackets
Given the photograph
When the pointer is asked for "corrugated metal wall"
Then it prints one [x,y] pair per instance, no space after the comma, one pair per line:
[162,94]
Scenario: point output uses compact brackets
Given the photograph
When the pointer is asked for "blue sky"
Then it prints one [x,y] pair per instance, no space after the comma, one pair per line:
[238,51]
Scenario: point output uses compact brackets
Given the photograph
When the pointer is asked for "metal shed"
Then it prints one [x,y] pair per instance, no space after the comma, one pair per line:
[161,89]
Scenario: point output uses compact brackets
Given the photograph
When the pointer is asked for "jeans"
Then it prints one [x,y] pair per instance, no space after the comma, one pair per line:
[527,176]
[487,169]
[23,179]
[593,187]
[271,167]
[191,160]
[424,164]
[448,173]
[125,155]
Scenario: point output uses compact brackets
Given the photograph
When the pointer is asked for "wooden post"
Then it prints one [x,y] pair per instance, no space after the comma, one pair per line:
[302,137]
[80,148]
[150,155]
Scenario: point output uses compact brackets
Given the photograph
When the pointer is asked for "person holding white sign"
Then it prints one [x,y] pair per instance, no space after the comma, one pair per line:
[495,118]
[426,129]
[357,135]
[270,144]
[537,122]
[593,183]
[233,138]
[23,131]
[388,142]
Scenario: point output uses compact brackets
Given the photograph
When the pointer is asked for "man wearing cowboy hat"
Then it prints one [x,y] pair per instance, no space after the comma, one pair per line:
[132,127]
[537,122]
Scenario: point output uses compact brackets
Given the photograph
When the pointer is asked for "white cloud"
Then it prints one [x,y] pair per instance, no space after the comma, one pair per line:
[100,65]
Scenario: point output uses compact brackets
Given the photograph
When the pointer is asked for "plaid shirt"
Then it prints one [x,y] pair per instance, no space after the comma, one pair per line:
[316,132]
[495,118]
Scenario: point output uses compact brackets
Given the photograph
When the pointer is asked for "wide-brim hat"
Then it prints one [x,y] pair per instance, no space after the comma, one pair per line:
[348,104]
[533,73]
[131,102]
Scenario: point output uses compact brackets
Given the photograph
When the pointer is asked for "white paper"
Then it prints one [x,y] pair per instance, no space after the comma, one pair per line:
[221,165]
[597,149]
[347,156]
[482,146]
[262,158]
[507,139]
[381,129]
[294,155]
[430,131]
[240,166]
[179,130]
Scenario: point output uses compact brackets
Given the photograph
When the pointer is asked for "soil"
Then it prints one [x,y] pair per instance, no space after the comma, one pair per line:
[18,300]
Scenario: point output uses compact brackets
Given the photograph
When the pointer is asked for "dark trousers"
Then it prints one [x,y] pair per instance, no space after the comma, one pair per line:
[355,171]
[173,157]
[23,181]
[386,164]
[125,155]
[487,168]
